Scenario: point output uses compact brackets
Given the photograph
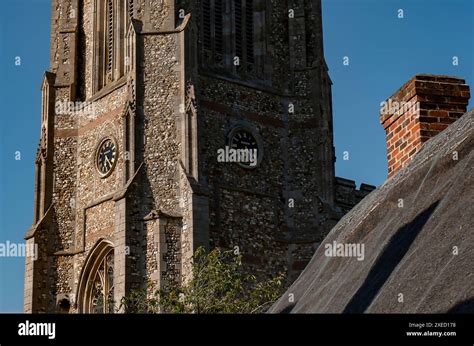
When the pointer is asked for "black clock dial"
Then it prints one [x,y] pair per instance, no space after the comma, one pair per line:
[106,157]
[244,139]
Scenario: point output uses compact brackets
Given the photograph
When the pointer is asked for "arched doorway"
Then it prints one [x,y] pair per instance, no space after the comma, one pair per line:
[96,286]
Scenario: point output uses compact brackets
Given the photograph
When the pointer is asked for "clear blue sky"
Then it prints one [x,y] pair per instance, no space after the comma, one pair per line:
[384,52]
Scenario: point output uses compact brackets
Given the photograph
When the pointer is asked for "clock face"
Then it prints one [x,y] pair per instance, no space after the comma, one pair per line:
[244,139]
[106,157]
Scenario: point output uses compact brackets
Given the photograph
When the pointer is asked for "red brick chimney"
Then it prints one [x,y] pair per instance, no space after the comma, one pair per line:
[419,110]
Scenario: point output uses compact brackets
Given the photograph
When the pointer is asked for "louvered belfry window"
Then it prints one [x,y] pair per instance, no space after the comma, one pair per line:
[228,34]
[238,28]
[131,8]
[207,23]
[219,26]
[213,31]
[249,32]
[109,39]
[112,18]
[244,34]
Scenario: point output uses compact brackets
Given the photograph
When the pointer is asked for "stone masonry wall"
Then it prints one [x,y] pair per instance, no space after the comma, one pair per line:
[297,144]
[161,147]
[160,182]
[289,168]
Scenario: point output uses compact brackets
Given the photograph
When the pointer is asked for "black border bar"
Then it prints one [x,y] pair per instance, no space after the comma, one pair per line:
[289,329]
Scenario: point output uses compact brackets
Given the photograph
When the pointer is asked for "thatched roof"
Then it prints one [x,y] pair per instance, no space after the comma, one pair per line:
[419,256]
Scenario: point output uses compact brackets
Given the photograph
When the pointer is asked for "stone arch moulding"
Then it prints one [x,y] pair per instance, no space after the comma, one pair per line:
[95,270]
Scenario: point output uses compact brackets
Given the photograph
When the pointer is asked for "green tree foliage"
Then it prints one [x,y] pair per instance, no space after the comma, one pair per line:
[219,285]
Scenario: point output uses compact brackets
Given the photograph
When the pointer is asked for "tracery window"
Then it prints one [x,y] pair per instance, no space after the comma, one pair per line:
[101,300]
[96,286]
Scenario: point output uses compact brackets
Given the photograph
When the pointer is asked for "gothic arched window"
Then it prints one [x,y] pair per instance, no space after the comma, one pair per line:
[111,21]
[101,300]
[96,287]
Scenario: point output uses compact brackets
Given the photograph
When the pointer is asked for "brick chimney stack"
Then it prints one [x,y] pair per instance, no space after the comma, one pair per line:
[418,111]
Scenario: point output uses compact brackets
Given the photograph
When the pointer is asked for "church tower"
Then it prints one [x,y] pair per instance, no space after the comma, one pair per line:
[173,124]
